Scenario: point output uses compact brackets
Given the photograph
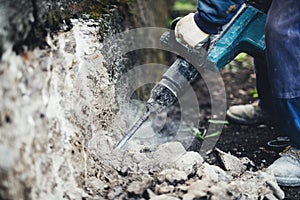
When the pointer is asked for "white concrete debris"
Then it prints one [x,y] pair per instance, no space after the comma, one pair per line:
[59,125]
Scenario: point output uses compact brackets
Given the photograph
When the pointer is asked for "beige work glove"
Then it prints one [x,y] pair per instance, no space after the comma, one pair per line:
[187,32]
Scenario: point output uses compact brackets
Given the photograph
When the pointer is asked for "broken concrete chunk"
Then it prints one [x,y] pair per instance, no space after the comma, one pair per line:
[117,191]
[213,173]
[151,194]
[231,163]
[7,157]
[247,161]
[189,162]
[94,185]
[183,188]
[164,197]
[196,190]
[137,187]
[254,185]
[139,158]
[220,191]
[164,188]
[188,196]
[173,176]
[168,153]
[251,185]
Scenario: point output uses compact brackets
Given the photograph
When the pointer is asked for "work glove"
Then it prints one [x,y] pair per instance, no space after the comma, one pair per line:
[187,32]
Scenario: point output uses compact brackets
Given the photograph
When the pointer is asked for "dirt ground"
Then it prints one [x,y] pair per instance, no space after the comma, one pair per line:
[239,140]
[248,141]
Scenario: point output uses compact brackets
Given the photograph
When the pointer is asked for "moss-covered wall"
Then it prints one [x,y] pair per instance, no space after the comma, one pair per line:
[28,22]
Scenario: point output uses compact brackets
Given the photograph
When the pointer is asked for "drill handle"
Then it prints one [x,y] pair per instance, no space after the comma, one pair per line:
[244,33]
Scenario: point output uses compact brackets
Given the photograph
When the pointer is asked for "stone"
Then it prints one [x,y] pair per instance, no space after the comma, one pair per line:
[164,197]
[173,176]
[254,185]
[167,154]
[189,162]
[138,187]
[197,189]
[212,173]
[117,191]
[183,188]
[164,188]
[231,163]
[94,185]
[7,157]
[220,191]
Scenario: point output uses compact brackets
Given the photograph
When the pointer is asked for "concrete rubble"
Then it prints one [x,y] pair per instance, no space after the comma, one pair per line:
[59,125]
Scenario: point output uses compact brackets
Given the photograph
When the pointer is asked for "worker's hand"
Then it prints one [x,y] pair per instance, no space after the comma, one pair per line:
[187,32]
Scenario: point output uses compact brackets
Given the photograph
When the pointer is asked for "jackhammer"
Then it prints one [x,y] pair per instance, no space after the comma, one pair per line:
[244,33]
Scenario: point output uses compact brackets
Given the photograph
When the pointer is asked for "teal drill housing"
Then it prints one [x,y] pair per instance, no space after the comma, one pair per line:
[244,33]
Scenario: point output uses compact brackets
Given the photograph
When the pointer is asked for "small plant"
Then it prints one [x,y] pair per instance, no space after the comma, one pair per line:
[214,121]
[242,60]
[203,135]
[254,93]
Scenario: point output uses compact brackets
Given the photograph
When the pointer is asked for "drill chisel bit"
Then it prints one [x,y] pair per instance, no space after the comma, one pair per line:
[133,130]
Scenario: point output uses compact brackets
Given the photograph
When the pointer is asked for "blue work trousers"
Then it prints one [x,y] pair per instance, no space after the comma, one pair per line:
[278,76]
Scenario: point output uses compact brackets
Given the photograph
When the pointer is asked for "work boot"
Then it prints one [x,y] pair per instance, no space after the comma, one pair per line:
[286,169]
[247,114]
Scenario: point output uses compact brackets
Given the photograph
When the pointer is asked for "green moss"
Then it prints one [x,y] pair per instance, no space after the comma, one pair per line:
[92,9]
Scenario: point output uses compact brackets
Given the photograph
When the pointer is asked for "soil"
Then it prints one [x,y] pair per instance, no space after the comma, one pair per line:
[239,140]
[245,141]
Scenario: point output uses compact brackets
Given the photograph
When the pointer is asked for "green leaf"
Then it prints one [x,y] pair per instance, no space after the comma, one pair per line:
[215,134]
[218,121]
[242,57]
[254,93]
[198,134]
[202,135]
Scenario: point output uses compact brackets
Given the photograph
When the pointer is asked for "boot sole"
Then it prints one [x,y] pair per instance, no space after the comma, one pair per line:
[238,120]
[288,182]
